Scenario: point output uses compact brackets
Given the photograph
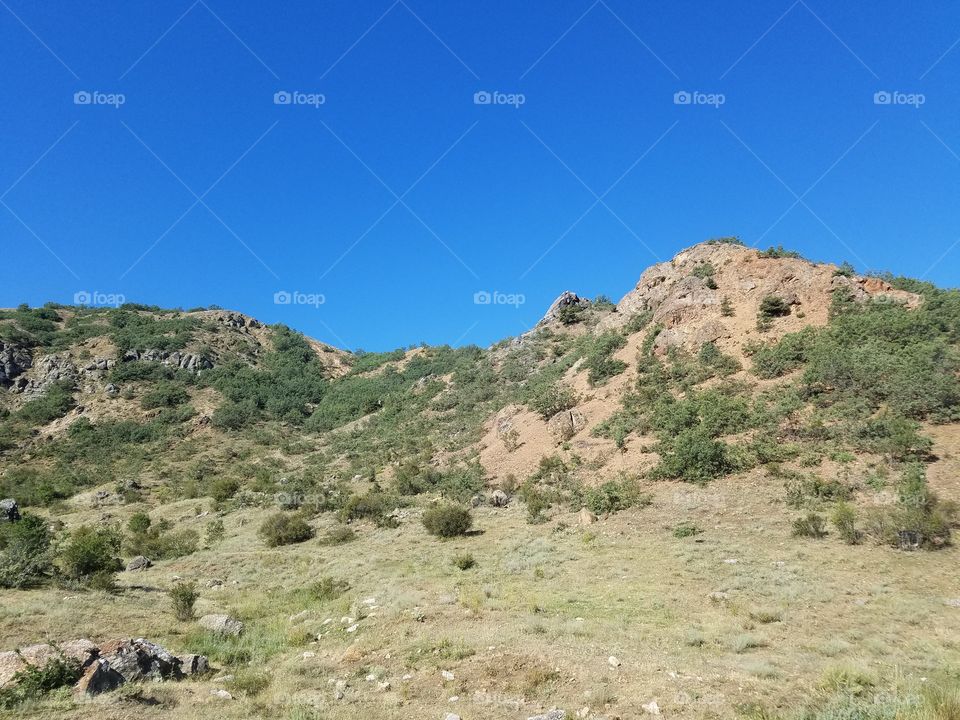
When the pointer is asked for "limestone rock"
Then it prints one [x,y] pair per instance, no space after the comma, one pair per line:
[139,563]
[9,510]
[221,624]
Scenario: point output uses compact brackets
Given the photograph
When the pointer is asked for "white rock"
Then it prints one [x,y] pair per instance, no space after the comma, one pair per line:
[447,675]
[353,628]
[222,694]
[309,654]
[451,716]
[614,661]
[652,708]
[383,686]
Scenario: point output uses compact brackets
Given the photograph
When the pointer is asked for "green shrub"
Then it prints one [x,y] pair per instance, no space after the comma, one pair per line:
[599,361]
[810,525]
[571,314]
[339,535]
[327,588]
[693,455]
[164,394]
[159,541]
[773,306]
[91,556]
[685,530]
[704,270]
[139,523]
[25,556]
[249,683]
[32,683]
[844,519]
[447,520]
[779,252]
[215,532]
[284,529]
[548,400]
[182,598]
[614,496]
[464,561]
[373,505]
[52,405]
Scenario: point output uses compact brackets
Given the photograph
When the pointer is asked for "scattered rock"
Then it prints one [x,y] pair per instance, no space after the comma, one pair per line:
[585,517]
[139,563]
[719,596]
[498,498]
[141,659]
[221,694]
[651,708]
[9,510]
[221,624]
[14,360]
[452,716]
[476,501]
[339,689]
[613,661]
[447,675]
[383,686]
[554,714]
[953,602]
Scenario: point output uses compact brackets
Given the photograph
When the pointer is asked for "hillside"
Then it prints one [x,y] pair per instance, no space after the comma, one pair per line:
[732,493]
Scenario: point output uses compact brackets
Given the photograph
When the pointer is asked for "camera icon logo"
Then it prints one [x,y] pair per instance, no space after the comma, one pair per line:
[82,298]
[882,97]
[282,298]
[482,98]
[682,97]
[482,297]
[82,97]
[282,97]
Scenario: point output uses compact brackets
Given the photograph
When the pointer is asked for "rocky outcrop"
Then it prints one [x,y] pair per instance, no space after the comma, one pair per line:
[567,299]
[14,361]
[175,358]
[47,371]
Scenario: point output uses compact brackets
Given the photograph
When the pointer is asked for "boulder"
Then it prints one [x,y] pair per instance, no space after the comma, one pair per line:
[141,659]
[498,498]
[9,510]
[565,424]
[138,563]
[585,517]
[221,624]
[98,678]
[194,664]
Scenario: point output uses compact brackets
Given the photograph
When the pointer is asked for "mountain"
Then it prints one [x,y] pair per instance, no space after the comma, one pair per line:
[718,480]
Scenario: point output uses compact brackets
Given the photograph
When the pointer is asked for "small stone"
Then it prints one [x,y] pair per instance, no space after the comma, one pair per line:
[447,675]
[613,661]
[221,694]
[383,686]
[731,561]
[308,655]
[651,708]
[221,625]
[953,602]
[585,517]
[554,714]
[454,698]
[452,716]
[353,628]
[718,596]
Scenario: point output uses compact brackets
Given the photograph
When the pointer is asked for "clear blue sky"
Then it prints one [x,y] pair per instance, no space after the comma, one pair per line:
[314,198]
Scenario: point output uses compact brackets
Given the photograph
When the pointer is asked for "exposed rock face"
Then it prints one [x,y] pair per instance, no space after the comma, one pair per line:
[685,295]
[498,498]
[221,624]
[12,662]
[566,299]
[48,370]
[564,425]
[183,360]
[14,360]
[140,659]
[9,510]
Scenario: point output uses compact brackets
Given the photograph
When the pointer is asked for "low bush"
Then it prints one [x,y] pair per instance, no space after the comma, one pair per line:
[810,525]
[90,556]
[464,561]
[284,529]
[32,683]
[182,598]
[614,496]
[327,588]
[685,530]
[447,520]
[844,519]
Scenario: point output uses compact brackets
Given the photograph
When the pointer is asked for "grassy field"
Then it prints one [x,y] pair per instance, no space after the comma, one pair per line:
[717,624]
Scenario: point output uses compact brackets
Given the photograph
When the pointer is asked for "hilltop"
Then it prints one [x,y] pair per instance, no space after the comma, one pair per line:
[708,496]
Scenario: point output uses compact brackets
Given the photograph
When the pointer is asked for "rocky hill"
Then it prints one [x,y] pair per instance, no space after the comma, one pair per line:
[734,430]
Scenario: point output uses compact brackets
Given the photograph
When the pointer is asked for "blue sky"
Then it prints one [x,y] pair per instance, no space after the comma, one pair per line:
[398,197]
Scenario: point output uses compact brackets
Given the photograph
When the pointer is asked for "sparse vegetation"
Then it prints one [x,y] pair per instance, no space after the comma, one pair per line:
[285,529]
[446,520]
[183,596]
